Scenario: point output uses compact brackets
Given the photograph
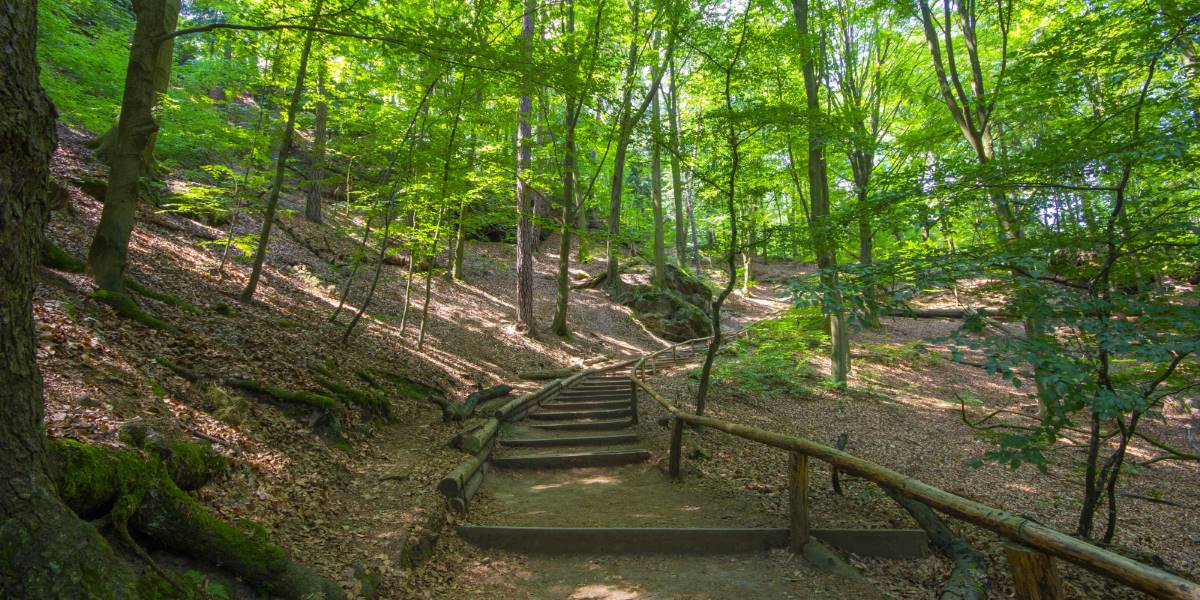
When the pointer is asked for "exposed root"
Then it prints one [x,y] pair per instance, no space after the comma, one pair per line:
[138,491]
[126,307]
[163,297]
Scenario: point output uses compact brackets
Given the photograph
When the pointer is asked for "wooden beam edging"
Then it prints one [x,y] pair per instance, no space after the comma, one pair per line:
[1142,577]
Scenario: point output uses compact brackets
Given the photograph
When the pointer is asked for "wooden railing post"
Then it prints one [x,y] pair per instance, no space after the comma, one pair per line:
[676,446]
[798,492]
[1034,575]
[674,355]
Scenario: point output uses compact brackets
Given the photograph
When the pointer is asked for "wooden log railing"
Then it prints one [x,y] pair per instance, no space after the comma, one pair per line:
[1033,538]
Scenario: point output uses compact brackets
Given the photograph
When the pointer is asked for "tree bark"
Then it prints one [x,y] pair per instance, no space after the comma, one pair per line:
[135,133]
[571,118]
[285,151]
[45,550]
[525,233]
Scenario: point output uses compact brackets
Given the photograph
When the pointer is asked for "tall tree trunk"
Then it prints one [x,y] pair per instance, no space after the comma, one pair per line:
[45,550]
[866,257]
[660,251]
[437,229]
[525,242]
[733,140]
[316,175]
[681,236]
[818,193]
[571,118]
[285,151]
[135,134]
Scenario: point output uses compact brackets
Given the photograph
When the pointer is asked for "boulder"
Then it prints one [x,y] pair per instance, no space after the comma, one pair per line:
[678,311]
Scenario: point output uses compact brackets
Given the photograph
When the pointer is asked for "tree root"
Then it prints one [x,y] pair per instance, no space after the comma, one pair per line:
[163,297]
[372,402]
[283,395]
[126,307]
[140,492]
[58,259]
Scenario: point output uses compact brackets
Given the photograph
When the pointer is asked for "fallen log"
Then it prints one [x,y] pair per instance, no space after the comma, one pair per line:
[968,579]
[453,484]
[462,503]
[948,313]
[477,437]
[458,412]
[591,282]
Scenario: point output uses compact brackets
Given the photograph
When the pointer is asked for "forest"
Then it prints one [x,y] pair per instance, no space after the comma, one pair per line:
[600,299]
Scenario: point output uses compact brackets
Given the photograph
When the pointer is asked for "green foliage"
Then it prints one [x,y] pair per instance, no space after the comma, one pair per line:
[772,363]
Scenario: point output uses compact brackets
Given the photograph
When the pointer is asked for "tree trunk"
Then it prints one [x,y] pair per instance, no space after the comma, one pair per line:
[285,151]
[660,251]
[570,117]
[818,192]
[525,242]
[45,550]
[312,205]
[733,140]
[135,134]
[681,236]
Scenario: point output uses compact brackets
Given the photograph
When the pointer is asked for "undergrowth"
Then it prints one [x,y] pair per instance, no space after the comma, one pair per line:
[772,361]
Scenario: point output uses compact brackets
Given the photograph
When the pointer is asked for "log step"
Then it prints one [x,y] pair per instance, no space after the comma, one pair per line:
[574,440]
[593,397]
[587,404]
[624,540]
[894,544]
[584,425]
[567,415]
[603,458]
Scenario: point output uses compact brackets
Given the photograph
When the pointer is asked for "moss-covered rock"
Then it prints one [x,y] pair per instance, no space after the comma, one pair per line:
[667,314]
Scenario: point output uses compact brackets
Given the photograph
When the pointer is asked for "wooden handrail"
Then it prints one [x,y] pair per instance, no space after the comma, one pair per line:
[1139,576]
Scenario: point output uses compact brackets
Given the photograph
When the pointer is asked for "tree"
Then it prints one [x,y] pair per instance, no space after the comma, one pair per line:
[285,151]
[629,118]
[316,174]
[135,132]
[733,141]
[681,236]
[818,193]
[525,233]
[660,252]
[45,550]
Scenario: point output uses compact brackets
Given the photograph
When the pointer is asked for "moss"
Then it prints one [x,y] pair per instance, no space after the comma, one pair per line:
[56,258]
[84,475]
[163,297]
[151,586]
[126,307]
[193,465]
[372,402]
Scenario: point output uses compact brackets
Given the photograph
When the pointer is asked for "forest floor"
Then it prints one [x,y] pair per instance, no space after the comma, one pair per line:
[375,506]
[372,507]
[902,410]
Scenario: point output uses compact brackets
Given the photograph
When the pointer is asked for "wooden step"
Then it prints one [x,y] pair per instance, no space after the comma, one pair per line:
[586,404]
[611,425]
[625,540]
[572,440]
[567,415]
[602,458]
[593,388]
[593,397]
[893,544]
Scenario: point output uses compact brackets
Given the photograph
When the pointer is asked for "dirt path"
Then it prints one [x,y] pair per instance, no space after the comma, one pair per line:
[525,490]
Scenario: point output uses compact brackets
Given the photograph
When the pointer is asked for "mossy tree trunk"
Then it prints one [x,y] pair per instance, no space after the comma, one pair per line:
[676,174]
[135,133]
[45,550]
